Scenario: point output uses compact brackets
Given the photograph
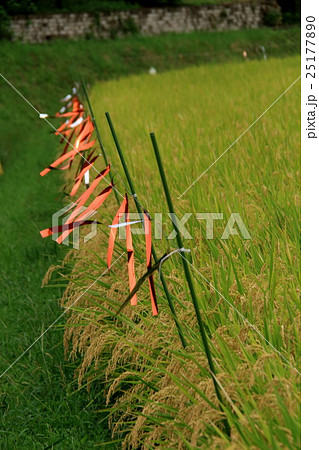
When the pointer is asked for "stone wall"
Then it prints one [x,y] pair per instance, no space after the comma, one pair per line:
[150,21]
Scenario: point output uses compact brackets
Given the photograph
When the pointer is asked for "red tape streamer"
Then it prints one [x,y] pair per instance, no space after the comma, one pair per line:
[74,115]
[148,239]
[113,232]
[68,142]
[123,209]
[70,155]
[86,194]
[86,166]
[89,211]
[86,131]
[70,226]
[79,203]
[130,254]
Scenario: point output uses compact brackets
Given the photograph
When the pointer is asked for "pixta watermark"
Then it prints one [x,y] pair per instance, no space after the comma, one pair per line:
[231,225]
[71,224]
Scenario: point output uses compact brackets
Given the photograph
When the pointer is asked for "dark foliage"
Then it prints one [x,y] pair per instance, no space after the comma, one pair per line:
[291,11]
[150,3]
[15,7]
[4,24]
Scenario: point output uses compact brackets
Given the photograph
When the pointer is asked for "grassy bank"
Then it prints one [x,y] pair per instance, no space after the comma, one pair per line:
[37,409]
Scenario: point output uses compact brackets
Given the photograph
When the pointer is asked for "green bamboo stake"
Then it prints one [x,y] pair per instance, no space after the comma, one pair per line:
[139,209]
[98,134]
[190,282]
[94,123]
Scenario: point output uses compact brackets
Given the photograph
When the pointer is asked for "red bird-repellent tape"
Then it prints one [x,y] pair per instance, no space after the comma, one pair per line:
[68,142]
[76,120]
[86,194]
[69,114]
[130,254]
[71,118]
[82,163]
[148,240]
[76,107]
[61,128]
[71,154]
[69,133]
[123,209]
[116,220]
[89,211]
[86,166]
[58,161]
[86,131]
[69,226]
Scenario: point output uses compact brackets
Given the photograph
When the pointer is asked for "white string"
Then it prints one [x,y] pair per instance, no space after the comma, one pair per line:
[187,250]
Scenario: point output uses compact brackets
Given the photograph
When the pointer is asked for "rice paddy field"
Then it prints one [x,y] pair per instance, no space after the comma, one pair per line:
[158,392]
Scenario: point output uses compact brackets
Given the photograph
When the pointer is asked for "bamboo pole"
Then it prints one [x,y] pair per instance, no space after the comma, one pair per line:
[190,282]
[98,133]
[139,209]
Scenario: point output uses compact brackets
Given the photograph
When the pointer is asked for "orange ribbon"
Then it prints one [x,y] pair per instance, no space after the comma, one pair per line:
[70,155]
[89,211]
[66,226]
[86,194]
[86,131]
[148,240]
[123,209]
[71,116]
[86,166]
[68,142]
[66,124]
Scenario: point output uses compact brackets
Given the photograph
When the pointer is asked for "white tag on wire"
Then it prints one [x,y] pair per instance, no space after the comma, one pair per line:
[123,224]
[76,123]
[66,98]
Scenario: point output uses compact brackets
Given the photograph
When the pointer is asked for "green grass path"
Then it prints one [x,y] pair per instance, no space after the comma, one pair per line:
[37,409]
